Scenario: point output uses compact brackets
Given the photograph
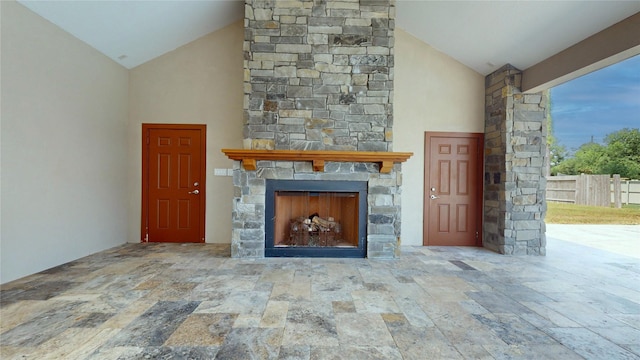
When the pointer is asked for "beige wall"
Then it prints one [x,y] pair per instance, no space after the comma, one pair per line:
[64,113]
[199,83]
[433,92]
[71,131]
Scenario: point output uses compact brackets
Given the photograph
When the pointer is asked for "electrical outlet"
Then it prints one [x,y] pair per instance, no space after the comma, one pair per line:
[220,172]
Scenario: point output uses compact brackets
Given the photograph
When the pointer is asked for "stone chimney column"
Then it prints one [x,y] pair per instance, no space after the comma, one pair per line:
[514,179]
[318,75]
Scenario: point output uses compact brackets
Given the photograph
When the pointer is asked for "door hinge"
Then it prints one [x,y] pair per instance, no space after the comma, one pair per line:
[477,235]
[146,237]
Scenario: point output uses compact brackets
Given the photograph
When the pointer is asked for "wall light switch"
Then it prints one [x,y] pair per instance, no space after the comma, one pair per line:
[220,172]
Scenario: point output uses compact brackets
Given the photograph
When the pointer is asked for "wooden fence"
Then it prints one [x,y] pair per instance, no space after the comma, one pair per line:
[594,190]
[629,191]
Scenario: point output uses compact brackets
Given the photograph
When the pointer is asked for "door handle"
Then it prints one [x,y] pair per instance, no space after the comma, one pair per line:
[433,197]
[195,192]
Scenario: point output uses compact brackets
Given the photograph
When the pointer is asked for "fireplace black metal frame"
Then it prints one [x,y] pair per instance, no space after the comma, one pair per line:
[272,186]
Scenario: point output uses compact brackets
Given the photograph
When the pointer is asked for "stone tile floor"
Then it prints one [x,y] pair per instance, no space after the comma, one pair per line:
[168,301]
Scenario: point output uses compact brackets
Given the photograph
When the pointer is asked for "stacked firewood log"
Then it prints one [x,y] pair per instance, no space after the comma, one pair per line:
[314,231]
[324,224]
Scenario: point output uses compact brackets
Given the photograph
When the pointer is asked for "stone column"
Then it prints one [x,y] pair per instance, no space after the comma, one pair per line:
[514,181]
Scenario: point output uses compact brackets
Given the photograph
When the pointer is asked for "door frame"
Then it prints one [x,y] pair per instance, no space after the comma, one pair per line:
[479,179]
[146,127]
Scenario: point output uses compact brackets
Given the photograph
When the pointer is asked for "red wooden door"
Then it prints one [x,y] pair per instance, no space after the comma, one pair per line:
[174,191]
[453,189]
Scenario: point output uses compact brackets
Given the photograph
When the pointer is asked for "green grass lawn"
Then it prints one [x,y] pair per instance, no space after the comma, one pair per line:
[559,213]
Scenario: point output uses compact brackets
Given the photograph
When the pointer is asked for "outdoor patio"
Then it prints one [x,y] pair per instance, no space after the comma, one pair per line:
[194,302]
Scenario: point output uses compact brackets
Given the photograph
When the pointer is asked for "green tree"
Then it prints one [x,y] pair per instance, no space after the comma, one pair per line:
[619,155]
[623,153]
[625,167]
[557,152]
[588,159]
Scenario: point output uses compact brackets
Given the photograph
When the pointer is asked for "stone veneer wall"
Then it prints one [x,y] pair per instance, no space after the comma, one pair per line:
[514,181]
[319,74]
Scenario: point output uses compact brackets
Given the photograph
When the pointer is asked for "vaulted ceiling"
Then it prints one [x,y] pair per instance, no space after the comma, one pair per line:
[483,35]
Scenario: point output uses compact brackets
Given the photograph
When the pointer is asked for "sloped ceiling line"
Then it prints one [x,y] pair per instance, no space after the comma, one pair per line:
[482,35]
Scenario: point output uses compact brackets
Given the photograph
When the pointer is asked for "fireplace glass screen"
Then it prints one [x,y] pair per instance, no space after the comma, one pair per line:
[315,218]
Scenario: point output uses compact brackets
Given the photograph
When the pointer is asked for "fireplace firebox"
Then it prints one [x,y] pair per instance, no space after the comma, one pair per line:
[311,218]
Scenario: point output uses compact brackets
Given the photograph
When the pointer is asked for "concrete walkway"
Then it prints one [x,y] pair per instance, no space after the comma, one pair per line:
[618,239]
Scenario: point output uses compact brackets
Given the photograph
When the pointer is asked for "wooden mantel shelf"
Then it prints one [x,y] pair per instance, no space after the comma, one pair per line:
[249,158]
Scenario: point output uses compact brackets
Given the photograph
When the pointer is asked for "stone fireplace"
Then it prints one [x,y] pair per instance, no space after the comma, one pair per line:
[318,83]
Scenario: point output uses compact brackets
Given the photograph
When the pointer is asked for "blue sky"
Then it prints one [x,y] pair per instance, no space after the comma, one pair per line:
[597,104]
